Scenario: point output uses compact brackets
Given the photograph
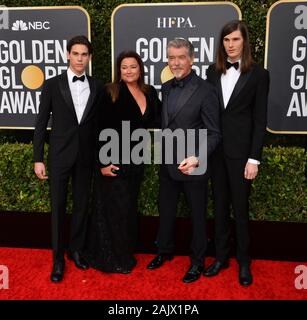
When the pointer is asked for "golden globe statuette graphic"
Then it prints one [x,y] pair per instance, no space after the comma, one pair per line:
[166,74]
[32,77]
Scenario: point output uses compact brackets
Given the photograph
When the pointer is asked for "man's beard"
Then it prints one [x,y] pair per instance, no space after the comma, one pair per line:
[177,73]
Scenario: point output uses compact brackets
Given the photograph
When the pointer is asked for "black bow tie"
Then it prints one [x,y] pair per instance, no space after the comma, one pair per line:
[177,83]
[229,65]
[75,78]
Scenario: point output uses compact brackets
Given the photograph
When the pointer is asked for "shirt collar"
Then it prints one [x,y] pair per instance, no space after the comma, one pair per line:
[235,61]
[186,79]
[71,74]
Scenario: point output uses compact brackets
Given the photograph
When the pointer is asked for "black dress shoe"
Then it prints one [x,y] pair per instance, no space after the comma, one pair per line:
[80,262]
[57,273]
[193,274]
[245,275]
[159,260]
[215,268]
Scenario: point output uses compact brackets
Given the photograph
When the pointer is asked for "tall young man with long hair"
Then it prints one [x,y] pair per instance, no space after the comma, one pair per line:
[243,90]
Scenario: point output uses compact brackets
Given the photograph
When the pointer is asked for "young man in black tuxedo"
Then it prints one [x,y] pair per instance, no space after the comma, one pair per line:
[72,98]
[189,102]
[243,90]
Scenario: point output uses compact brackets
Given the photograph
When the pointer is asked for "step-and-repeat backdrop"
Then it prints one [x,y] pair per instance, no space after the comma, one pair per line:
[33,48]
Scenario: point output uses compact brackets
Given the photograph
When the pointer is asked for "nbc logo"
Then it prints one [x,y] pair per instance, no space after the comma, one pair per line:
[19,25]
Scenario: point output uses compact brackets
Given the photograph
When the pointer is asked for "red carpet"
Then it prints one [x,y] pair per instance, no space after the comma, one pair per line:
[29,271]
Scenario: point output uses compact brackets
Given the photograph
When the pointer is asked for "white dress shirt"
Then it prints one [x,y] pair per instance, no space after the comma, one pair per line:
[80,92]
[228,82]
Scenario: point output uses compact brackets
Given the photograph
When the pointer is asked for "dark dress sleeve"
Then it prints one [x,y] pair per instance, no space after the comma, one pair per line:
[155,106]
[103,121]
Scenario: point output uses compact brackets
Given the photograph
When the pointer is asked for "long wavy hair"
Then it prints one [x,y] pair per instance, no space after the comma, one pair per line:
[113,87]
[221,56]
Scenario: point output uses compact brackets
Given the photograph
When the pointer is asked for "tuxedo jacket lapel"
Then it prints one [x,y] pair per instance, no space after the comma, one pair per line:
[218,85]
[185,95]
[239,86]
[220,93]
[65,91]
[91,98]
[165,104]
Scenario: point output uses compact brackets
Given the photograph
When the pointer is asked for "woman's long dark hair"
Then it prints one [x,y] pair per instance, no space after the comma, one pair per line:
[113,87]
[246,58]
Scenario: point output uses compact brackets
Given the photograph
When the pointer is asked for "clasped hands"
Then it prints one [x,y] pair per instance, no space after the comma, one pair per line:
[188,165]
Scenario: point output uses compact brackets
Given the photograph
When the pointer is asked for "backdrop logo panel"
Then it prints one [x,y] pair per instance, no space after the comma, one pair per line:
[147,28]
[286,59]
[32,49]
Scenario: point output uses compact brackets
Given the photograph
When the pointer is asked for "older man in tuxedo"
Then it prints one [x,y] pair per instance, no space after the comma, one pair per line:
[189,102]
[72,98]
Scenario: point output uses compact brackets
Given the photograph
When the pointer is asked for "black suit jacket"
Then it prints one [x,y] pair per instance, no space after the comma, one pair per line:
[68,139]
[243,122]
[197,108]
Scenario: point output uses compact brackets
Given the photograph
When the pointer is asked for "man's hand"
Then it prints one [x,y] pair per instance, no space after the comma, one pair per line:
[250,171]
[188,165]
[107,171]
[40,170]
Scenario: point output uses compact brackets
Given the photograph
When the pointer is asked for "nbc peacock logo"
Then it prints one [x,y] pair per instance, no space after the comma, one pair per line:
[19,25]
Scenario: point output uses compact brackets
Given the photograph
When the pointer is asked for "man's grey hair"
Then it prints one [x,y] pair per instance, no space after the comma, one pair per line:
[181,42]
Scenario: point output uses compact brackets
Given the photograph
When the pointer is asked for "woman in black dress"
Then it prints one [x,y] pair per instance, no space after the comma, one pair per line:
[113,229]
